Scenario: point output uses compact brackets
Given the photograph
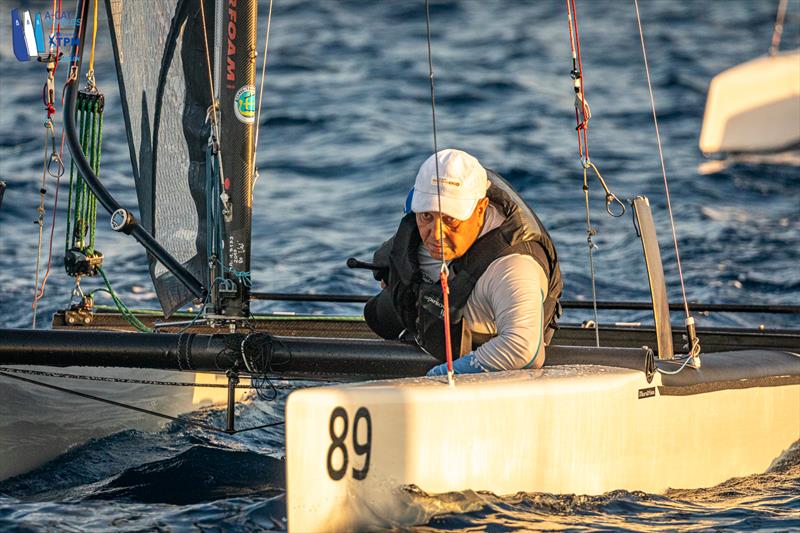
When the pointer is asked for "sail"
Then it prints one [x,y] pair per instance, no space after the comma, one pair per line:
[165,93]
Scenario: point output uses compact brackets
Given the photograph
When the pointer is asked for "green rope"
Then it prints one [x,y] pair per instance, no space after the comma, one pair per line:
[98,140]
[69,201]
[88,196]
[82,204]
[123,309]
[84,212]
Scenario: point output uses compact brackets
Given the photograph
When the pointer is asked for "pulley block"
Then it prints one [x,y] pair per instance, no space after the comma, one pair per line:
[78,262]
[91,97]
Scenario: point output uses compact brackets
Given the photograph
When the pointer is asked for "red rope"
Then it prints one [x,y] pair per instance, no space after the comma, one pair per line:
[448,349]
[575,45]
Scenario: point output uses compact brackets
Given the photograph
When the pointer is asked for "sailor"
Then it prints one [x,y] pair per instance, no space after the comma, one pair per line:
[503,274]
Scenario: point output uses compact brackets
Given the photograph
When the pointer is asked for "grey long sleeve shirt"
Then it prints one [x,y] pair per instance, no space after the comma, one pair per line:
[507,301]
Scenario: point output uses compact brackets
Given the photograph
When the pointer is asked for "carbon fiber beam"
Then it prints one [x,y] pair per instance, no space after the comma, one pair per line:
[294,356]
[237,121]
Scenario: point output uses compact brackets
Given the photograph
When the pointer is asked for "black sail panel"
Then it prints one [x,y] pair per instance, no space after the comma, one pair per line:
[165,92]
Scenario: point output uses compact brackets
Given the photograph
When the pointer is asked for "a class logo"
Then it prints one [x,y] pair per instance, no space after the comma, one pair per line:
[244,104]
[30,37]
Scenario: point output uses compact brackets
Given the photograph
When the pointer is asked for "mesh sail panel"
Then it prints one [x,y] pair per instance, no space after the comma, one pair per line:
[163,82]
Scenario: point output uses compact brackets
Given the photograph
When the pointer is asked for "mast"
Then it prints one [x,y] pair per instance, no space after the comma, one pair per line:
[237,71]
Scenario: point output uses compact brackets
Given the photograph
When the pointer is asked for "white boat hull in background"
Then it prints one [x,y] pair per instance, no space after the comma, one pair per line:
[566,429]
[38,424]
[754,107]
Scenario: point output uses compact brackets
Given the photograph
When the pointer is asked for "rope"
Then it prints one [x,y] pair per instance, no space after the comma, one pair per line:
[79,120]
[257,357]
[130,318]
[591,232]
[194,423]
[40,221]
[41,292]
[582,111]
[56,30]
[582,116]
[443,273]
[82,204]
[694,343]
[109,379]
[82,216]
[777,32]
[261,95]
[214,109]
[90,73]
[661,159]
[673,372]
[54,166]
[53,26]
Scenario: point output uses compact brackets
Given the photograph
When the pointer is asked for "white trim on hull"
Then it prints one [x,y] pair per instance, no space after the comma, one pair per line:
[569,429]
[38,424]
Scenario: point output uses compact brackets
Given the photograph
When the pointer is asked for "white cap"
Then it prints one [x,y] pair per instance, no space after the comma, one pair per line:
[462,182]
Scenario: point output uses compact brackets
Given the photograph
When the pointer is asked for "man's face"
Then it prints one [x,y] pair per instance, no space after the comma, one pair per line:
[458,235]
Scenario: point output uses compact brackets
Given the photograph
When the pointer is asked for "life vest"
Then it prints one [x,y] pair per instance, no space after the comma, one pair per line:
[418,303]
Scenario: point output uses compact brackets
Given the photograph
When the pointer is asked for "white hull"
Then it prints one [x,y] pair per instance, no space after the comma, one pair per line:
[38,424]
[569,429]
[754,107]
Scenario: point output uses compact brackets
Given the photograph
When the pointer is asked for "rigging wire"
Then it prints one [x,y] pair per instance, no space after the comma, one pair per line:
[161,383]
[55,30]
[53,25]
[679,370]
[591,232]
[40,220]
[694,344]
[582,116]
[187,421]
[40,292]
[261,96]
[212,114]
[52,165]
[777,32]
[443,273]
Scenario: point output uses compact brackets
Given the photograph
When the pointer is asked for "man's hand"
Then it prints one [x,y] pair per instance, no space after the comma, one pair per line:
[464,365]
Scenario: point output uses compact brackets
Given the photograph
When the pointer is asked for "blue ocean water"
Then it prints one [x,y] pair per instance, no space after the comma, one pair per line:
[346,124]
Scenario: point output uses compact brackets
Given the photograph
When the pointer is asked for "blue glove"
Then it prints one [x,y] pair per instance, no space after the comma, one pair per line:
[464,365]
